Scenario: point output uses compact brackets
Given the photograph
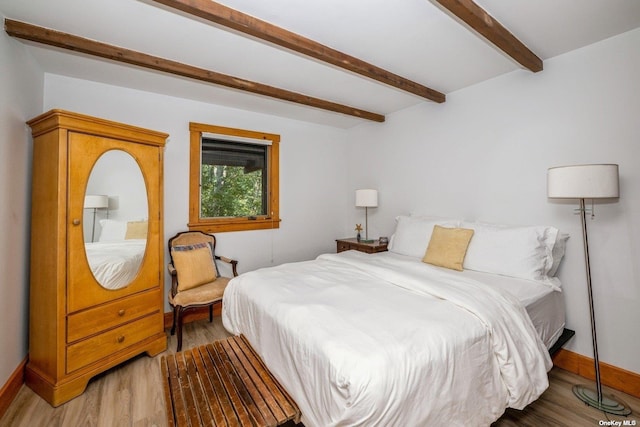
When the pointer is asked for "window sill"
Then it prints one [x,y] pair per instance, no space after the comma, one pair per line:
[236,224]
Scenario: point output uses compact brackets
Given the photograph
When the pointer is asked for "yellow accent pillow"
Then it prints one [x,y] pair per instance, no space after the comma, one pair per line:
[194,265]
[136,230]
[447,247]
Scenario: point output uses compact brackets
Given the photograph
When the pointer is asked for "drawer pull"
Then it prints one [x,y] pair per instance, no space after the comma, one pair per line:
[121,339]
[121,312]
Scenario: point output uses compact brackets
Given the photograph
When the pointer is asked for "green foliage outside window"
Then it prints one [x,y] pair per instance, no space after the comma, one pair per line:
[227,191]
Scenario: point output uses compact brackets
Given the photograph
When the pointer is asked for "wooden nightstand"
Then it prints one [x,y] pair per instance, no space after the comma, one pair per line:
[352,243]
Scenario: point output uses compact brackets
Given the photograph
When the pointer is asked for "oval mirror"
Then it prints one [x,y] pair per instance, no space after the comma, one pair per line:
[115,219]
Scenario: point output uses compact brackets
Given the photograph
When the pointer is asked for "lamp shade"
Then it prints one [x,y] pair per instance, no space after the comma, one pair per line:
[598,181]
[367,198]
[94,201]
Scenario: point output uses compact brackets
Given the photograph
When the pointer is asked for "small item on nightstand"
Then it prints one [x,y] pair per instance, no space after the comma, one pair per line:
[384,240]
[358,229]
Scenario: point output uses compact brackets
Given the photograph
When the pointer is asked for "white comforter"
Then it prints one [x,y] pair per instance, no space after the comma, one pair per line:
[115,264]
[360,340]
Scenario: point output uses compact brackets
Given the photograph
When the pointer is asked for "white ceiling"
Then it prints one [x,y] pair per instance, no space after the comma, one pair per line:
[412,38]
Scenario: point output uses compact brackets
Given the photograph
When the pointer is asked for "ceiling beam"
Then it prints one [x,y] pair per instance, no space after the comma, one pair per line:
[479,20]
[62,40]
[236,20]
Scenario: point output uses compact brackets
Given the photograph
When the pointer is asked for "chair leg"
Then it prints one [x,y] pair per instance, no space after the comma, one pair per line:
[173,324]
[211,313]
[179,328]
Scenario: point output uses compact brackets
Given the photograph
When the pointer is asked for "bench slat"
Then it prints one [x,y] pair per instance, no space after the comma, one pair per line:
[179,410]
[277,391]
[197,389]
[212,398]
[167,392]
[220,389]
[264,417]
[187,391]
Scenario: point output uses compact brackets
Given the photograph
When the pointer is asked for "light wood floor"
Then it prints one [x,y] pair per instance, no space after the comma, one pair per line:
[131,395]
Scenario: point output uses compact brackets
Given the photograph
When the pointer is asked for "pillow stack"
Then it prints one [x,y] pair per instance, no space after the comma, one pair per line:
[413,234]
[116,231]
[525,252]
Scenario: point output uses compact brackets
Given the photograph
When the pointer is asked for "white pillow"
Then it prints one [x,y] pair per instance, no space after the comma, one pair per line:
[558,252]
[523,252]
[412,234]
[112,230]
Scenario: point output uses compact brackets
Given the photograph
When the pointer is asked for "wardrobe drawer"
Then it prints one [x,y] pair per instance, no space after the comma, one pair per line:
[108,343]
[109,315]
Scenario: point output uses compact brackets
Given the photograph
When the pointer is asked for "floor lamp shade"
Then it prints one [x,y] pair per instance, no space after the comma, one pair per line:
[94,201]
[597,181]
[583,182]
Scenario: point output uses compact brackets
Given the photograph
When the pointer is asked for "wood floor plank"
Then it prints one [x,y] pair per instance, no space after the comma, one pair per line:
[147,401]
[557,406]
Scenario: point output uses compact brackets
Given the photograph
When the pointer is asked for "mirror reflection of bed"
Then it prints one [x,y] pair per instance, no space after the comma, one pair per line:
[115,232]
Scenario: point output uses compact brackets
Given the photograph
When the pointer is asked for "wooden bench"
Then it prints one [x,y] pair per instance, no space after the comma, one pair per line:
[224,384]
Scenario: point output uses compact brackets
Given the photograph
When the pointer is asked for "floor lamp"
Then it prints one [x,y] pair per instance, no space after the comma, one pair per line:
[597,181]
[95,202]
[366,199]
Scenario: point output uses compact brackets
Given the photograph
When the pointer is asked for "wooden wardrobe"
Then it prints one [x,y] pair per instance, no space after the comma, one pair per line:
[78,327]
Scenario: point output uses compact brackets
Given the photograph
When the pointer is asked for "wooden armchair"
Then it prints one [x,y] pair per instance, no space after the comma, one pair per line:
[195,280]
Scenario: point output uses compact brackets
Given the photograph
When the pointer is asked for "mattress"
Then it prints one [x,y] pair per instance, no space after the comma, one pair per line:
[544,304]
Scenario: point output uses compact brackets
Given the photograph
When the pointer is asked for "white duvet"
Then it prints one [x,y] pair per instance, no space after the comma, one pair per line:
[360,340]
[115,264]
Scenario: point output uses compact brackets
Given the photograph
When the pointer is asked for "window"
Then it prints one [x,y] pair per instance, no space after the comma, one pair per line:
[233,179]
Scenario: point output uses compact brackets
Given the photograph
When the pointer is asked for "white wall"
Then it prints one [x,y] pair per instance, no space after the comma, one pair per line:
[313,167]
[484,155]
[21,85]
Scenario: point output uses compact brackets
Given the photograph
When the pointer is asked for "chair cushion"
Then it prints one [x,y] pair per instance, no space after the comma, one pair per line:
[205,294]
[194,264]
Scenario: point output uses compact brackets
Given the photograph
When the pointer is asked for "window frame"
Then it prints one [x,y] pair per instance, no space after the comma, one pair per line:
[217,225]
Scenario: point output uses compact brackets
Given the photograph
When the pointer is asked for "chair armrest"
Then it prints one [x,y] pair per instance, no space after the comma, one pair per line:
[233,263]
[174,279]
[172,270]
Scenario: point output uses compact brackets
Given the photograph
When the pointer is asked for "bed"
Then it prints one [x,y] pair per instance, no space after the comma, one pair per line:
[116,257]
[387,339]
[115,264]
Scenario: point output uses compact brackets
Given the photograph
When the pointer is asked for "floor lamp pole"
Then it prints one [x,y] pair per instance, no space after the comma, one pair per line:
[93,225]
[585,243]
[609,403]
